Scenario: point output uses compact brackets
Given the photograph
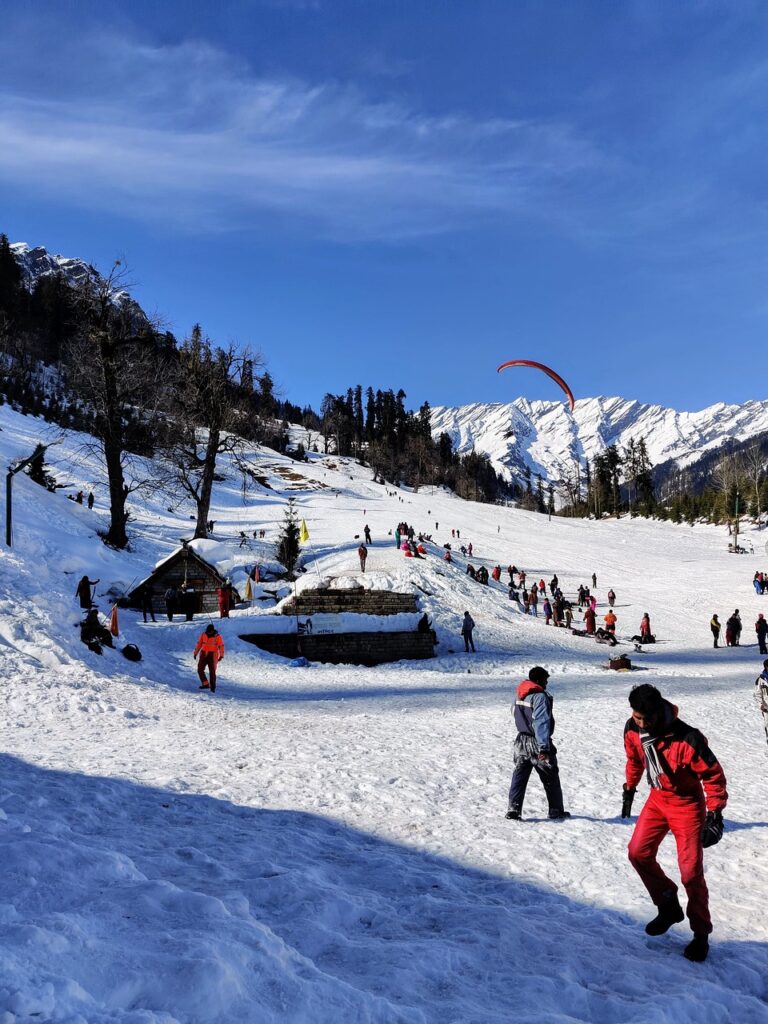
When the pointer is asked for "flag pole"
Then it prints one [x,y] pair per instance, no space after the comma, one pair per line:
[305,539]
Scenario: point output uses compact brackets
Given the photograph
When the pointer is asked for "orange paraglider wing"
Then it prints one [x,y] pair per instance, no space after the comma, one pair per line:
[546,369]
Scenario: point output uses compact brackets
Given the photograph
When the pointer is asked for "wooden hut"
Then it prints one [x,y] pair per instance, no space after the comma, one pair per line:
[185,567]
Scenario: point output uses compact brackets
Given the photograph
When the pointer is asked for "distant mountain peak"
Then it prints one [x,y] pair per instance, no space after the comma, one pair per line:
[548,439]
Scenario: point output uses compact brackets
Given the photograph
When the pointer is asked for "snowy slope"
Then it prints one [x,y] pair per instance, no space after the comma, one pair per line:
[549,438]
[328,844]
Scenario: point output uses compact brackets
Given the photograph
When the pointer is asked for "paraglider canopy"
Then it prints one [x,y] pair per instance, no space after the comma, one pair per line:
[545,369]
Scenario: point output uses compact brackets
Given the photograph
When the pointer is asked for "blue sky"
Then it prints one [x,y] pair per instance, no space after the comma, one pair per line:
[406,193]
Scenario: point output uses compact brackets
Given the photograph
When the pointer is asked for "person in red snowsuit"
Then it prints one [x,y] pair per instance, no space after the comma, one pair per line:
[209,652]
[687,797]
[589,620]
[224,596]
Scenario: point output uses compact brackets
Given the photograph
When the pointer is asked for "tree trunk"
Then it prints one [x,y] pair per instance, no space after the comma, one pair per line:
[206,483]
[113,448]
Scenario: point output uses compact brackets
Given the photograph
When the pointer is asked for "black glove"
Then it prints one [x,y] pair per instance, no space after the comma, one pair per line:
[712,831]
[626,801]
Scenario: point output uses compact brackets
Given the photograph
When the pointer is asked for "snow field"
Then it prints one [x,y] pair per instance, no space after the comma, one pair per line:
[328,843]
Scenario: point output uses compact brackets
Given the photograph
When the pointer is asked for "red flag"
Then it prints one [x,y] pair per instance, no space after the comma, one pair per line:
[114,629]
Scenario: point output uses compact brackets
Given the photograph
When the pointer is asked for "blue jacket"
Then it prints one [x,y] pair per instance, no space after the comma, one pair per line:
[533,713]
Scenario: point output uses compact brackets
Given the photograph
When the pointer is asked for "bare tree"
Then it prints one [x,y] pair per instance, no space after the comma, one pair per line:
[209,418]
[754,470]
[114,362]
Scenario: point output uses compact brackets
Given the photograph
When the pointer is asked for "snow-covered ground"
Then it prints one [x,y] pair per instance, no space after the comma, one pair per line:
[328,843]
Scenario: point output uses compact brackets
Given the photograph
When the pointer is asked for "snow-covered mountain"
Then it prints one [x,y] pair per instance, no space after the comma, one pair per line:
[549,438]
[37,262]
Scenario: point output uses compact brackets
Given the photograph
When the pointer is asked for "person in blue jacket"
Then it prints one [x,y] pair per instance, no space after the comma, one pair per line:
[534,748]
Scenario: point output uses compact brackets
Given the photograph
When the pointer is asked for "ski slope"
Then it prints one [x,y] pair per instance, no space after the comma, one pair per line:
[328,843]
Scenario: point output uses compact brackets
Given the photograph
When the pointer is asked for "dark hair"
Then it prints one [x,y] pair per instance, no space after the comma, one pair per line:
[646,699]
[538,675]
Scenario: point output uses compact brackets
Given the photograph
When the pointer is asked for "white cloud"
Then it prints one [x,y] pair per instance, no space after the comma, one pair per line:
[186,134]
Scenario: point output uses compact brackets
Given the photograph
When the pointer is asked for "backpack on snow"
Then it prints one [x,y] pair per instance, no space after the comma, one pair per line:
[131,652]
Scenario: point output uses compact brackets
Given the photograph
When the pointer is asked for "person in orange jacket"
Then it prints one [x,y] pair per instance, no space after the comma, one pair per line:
[209,652]
[610,622]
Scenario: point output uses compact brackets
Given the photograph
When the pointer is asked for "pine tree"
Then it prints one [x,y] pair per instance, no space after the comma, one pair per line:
[288,547]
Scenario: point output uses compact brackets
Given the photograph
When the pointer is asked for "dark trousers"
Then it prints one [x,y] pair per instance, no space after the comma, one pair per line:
[761,643]
[148,608]
[468,641]
[550,779]
[170,608]
[207,661]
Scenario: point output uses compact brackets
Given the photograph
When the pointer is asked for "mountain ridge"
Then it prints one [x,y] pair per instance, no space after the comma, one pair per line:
[546,438]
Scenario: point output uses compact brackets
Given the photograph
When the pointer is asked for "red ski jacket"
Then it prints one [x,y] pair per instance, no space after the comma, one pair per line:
[687,762]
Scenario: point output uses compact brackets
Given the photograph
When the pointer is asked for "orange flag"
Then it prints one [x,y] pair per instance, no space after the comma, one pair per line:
[114,629]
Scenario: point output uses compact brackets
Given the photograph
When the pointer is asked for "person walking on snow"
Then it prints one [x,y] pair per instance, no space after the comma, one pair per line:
[761,628]
[547,609]
[594,581]
[83,591]
[610,623]
[467,626]
[534,749]
[715,626]
[367,533]
[362,552]
[645,629]
[91,499]
[147,601]
[209,652]
[687,797]
[611,598]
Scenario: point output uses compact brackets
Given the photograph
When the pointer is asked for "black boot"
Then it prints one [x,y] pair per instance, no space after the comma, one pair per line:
[513,814]
[670,912]
[559,815]
[697,948]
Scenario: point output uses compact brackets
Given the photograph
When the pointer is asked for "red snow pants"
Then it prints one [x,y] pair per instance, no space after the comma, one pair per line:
[207,660]
[683,816]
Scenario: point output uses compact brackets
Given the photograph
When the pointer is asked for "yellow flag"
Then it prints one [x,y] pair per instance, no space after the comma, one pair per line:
[303,532]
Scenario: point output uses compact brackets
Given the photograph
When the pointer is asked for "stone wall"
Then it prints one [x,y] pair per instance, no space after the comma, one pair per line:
[361,602]
[347,648]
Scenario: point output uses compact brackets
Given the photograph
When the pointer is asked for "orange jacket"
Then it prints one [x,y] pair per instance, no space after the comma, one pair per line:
[210,645]
[610,619]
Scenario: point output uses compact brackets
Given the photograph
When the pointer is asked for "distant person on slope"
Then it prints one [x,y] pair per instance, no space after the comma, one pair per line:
[687,797]
[732,631]
[467,626]
[646,636]
[610,623]
[534,748]
[362,553]
[611,598]
[367,533]
[83,591]
[209,652]
[761,629]
[589,621]
[594,581]
[715,626]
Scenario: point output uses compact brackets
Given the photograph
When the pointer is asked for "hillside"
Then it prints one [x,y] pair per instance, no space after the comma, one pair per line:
[328,843]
